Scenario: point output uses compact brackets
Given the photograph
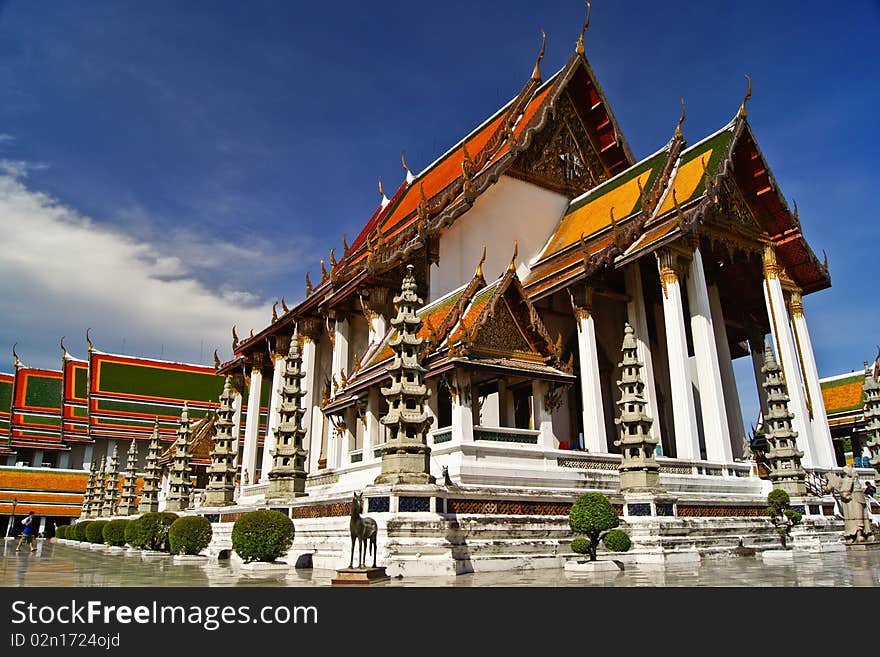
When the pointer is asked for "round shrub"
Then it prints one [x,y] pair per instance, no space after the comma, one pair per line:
[131,533]
[60,531]
[190,535]
[114,532]
[263,535]
[580,545]
[79,530]
[592,512]
[95,531]
[778,499]
[152,530]
[617,540]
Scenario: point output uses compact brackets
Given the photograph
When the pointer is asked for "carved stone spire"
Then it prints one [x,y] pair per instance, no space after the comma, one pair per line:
[405,457]
[872,416]
[97,503]
[221,473]
[127,506]
[111,485]
[639,470]
[287,478]
[180,482]
[88,498]
[150,491]
[783,457]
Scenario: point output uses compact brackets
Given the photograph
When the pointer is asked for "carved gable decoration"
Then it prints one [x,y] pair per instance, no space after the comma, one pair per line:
[732,211]
[501,335]
[562,157]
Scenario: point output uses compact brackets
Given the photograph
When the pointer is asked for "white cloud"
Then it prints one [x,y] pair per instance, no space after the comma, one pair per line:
[63,272]
[6,138]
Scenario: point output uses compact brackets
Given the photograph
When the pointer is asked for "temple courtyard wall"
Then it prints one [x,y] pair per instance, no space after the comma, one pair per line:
[429,531]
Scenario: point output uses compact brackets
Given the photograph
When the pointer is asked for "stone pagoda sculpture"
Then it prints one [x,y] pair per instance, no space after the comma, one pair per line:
[150,490]
[783,457]
[127,506]
[872,416]
[111,485]
[639,470]
[405,456]
[180,482]
[97,503]
[90,493]
[221,473]
[287,478]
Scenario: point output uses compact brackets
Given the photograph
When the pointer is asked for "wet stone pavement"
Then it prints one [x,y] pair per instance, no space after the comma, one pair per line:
[62,565]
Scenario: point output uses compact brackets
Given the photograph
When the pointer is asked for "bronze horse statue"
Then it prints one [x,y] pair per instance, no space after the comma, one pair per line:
[363,530]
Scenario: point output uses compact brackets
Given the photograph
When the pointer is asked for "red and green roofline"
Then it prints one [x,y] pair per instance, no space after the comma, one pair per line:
[7,382]
[35,420]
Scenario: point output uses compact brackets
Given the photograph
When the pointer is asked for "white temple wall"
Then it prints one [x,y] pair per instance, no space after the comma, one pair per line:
[509,210]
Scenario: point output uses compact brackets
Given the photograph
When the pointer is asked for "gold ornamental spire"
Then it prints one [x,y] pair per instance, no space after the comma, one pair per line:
[742,108]
[409,174]
[512,265]
[536,74]
[580,42]
[479,272]
[678,132]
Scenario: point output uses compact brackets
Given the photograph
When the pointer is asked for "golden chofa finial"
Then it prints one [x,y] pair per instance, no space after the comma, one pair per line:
[409,174]
[742,108]
[89,340]
[536,74]
[580,43]
[384,200]
[479,272]
[16,362]
[63,348]
[678,132]
[512,265]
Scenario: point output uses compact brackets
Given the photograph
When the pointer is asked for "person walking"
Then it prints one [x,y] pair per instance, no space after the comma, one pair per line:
[27,533]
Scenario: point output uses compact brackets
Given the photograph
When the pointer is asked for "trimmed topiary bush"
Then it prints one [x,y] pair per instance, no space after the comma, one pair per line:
[151,532]
[592,515]
[114,532]
[95,531]
[580,545]
[190,535]
[617,540]
[263,535]
[782,515]
[79,530]
[60,531]
[131,533]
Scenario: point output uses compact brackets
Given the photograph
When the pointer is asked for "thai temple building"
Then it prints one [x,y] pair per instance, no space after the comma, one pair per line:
[533,302]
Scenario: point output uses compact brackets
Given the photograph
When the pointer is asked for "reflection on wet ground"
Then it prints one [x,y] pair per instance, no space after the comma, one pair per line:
[62,565]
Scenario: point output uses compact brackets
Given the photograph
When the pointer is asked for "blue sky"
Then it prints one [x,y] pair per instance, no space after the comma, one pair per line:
[207,154]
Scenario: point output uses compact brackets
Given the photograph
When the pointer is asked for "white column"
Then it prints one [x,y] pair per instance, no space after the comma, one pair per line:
[87,457]
[372,431]
[728,378]
[252,427]
[37,460]
[274,417]
[339,362]
[712,404]
[311,401]
[684,414]
[638,319]
[462,410]
[236,425]
[824,448]
[777,311]
[543,416]
[64,460]
[595,436]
